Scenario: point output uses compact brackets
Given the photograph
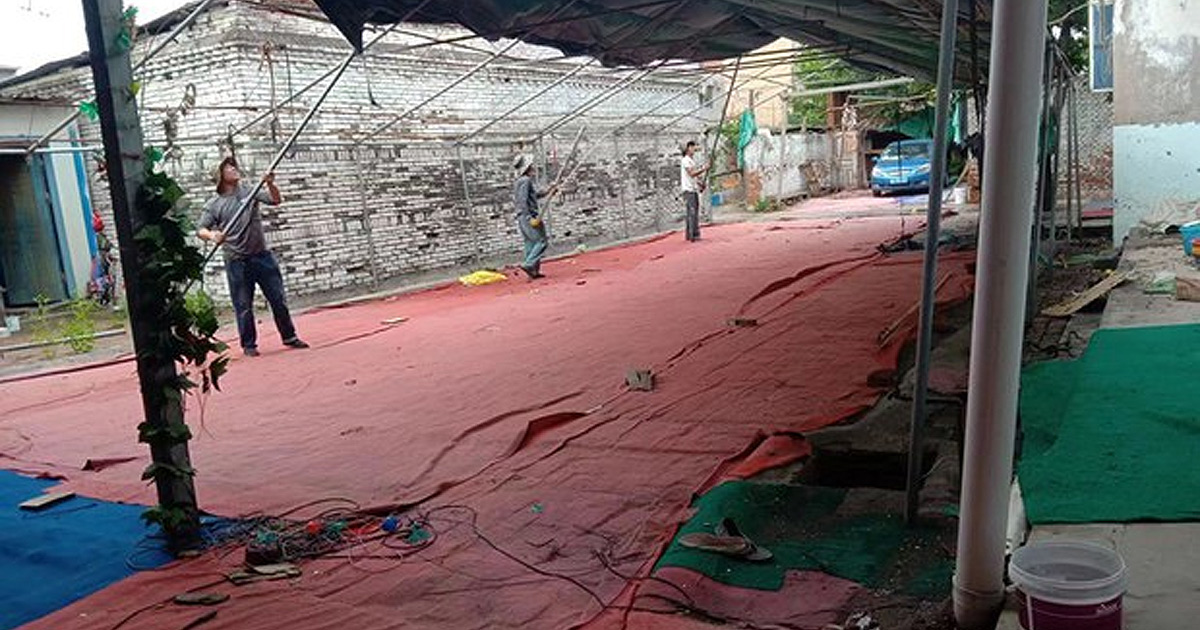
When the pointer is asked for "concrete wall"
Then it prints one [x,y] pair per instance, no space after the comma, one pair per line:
[1156,111]
[779,168]
[356,217]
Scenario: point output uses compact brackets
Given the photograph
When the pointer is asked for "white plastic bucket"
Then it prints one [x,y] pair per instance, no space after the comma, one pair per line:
[1069,586]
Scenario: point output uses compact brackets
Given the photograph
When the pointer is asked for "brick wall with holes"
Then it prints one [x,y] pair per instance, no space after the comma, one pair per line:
[366,200]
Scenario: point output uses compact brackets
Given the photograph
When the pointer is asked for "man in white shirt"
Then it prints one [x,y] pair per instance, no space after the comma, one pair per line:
[689,173]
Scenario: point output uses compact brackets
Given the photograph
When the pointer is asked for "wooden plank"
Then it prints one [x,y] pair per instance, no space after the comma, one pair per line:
[46,500]
[1072,306]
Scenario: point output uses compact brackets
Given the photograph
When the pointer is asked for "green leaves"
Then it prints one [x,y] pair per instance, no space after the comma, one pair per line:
[158,470]
[188,324]
[168,518]
[124,40]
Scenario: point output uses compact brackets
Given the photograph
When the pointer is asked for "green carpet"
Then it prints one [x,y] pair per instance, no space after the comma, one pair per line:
[1114,436]
[808,527]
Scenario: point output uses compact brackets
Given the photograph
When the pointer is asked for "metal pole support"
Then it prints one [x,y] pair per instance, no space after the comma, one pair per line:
[933,222]
[123,152]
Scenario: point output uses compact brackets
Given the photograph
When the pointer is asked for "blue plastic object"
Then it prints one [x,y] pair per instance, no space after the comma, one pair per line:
[1189,231]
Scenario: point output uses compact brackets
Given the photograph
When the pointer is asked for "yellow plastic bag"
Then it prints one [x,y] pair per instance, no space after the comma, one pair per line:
[482,277]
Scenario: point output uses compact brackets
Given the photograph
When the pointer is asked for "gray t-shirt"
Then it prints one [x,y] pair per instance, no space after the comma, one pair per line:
[245,238]
[525,196]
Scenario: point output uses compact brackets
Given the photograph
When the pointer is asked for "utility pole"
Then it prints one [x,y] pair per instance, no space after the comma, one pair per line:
[123,153]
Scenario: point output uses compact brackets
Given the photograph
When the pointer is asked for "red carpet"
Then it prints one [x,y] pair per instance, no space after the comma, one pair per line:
[503,398]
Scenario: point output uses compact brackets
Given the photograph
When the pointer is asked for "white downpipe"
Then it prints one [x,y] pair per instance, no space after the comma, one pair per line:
[1010,166]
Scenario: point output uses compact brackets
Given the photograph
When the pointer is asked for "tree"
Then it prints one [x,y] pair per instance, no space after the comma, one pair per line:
[1069,25]
[819,73]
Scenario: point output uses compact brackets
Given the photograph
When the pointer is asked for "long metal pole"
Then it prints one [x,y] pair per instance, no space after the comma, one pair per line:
[121,130]
[1004,237]
[179,28]
[1071,160]
[532,97]
[594,102]
[315,82]
[287,146]
[1035,248]
[470,207]
[625,124]
[712,154]
[1077,160]
[1052,184]
[438,94]
[933,225]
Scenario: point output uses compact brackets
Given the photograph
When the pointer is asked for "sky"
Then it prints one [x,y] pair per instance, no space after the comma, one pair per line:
[34,32]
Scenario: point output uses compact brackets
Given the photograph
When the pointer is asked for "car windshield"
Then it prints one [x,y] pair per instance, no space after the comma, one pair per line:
[907,150]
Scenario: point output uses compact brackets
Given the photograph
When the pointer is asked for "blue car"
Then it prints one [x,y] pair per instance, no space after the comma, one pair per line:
[903,166]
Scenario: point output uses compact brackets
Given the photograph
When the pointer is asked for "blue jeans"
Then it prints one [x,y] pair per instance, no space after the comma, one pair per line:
[535,242]
[262,270]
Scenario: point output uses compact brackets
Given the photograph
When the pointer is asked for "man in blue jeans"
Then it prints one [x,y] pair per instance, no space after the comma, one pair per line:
[530,223]
[248,261]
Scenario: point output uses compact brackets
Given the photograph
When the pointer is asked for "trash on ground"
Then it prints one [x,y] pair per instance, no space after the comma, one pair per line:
[640,380]
[482,277]
[1187,287]
[45,500]
[1163,283]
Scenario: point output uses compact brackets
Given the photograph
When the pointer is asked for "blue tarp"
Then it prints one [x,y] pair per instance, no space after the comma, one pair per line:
[55,556]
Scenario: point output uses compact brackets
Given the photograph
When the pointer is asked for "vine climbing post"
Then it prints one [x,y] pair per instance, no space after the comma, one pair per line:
[109,33]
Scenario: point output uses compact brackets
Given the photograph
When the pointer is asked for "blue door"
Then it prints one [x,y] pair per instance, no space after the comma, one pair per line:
[30,256]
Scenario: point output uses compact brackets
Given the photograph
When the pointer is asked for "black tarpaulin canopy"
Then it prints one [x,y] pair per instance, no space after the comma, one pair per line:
[898,36]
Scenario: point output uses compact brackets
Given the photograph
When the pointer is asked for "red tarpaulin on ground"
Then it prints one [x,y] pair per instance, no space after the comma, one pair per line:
[508,399]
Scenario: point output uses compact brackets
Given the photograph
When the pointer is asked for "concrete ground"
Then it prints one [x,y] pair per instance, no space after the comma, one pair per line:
[1162,558]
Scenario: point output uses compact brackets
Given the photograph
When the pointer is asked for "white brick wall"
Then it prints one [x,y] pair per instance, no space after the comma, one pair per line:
[357,216]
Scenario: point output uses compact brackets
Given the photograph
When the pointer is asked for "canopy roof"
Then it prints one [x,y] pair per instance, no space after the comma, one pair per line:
[899,36]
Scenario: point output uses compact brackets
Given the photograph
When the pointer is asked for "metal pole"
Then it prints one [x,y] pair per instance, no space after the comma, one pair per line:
[618,160]
[1004,237]
[933,223]
[709,103]
[287,146]
[1071,161]
[1052,185]
[372,254]
[712,155]
[515,108]
[783,165]
[462,170]
[438,94]
[1077,160]
[1039,207]
[179,28]
[121,130]
[317,81]
[620,86]
[627,123]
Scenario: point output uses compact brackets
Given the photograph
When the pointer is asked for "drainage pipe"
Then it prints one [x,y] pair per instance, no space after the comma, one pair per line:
[1010,164]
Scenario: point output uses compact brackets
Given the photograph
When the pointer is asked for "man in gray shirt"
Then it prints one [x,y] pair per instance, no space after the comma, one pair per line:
[529,222]
[248,260]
